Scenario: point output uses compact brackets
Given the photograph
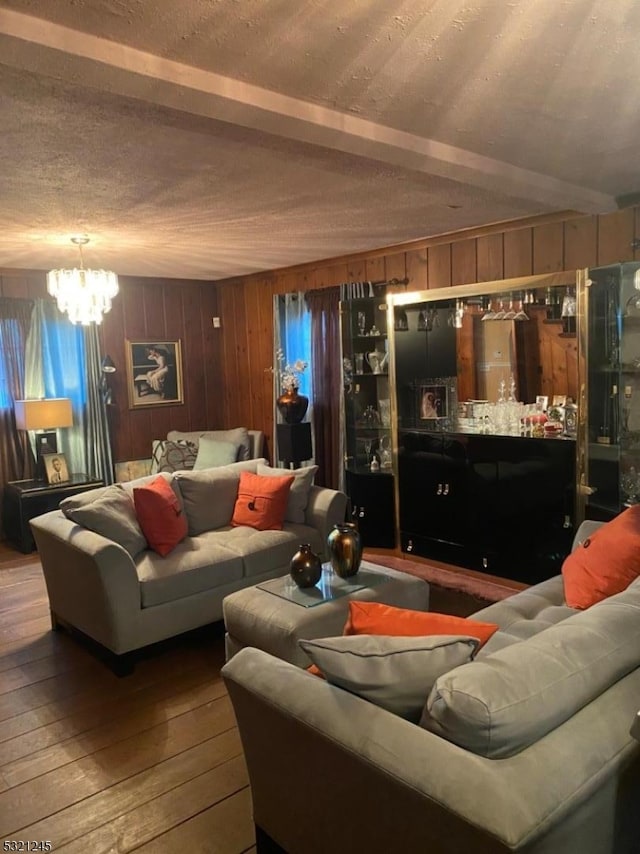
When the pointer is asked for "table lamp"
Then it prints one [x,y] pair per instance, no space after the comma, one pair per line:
[44,415]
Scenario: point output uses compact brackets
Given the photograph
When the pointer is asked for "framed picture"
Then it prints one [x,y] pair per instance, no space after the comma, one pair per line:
[56,470]
[542,402]
[433,402]
[154,373]
[559,400]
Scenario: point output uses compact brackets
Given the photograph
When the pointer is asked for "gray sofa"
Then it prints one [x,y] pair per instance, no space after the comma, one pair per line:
[527,748]
[105,582]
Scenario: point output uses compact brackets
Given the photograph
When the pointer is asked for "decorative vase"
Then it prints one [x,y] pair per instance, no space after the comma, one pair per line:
[345,547]
[305,567]
[292,406]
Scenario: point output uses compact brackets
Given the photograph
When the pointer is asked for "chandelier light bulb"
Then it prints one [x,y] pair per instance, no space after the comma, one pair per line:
[84,295]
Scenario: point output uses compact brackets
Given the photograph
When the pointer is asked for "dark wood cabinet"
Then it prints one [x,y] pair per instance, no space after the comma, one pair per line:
[372,507]
[25,499]
[496,503]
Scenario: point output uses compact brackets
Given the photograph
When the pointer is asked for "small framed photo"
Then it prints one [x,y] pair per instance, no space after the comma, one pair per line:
[154,373]
[55,466]
[433,402]
[559,400]
[542,402]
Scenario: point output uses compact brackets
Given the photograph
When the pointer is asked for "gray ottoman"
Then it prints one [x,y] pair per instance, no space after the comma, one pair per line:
[259,618]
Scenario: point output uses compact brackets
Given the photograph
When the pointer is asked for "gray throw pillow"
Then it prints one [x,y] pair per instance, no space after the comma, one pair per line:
[237,435]
[111,514]
[299,492]
[209,497]
[215,452]
[396,673]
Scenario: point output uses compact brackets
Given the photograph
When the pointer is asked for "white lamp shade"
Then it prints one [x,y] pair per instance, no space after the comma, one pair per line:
[44,414]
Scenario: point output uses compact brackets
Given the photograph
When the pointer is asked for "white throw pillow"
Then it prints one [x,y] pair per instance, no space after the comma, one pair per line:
[213,453]
[396,673]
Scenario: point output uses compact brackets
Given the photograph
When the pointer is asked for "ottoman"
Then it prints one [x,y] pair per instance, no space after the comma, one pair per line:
[260,618]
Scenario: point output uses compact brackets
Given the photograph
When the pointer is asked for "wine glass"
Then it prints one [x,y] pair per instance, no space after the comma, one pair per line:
[629,485]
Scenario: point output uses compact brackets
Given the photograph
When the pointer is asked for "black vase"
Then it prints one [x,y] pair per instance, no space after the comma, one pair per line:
[345,547]
[292,406]
[305,567]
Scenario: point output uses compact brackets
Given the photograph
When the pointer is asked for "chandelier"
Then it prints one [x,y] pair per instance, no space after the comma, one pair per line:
[85,295]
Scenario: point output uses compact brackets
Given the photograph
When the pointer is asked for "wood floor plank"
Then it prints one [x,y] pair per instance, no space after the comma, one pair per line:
[116,715]
[225,828]
[82,818]
[27,629]
[29,802]
[166,812]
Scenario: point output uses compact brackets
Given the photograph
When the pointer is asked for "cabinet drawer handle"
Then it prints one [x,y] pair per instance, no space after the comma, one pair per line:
[439,489]
[445,491]
[410,546]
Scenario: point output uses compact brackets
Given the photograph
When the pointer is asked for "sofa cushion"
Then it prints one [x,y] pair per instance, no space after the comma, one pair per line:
[196,565]
[499,705]
[110,513]
[375,618]
[299,494]
[160,515]
[215,452]
[169,456]
[266,551]
[396,673]
[605,563]
[261,501]
[238,435]
[209,497]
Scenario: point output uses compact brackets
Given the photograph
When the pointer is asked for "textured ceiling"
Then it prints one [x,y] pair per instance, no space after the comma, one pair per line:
[210,138]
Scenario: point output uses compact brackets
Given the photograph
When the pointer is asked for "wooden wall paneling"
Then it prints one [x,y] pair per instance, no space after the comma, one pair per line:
[322,276]
[135,329]
[194,357]
[212,346]
[304,281]
[518,253]
[175,329]
[112,342]
[337,274]
[15,286]
[285,283]
[235,357]
[580,242]
[417,269]
[466,357]
[375,268]
[356,271]
[464,269]
[548,247]
[395,266]
[615,233]
[154,320]
[260,327]
[439,263]
[490,257]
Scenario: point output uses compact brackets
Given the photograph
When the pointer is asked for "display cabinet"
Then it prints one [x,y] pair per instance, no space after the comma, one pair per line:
[484,380]
[611,429]
[367,418]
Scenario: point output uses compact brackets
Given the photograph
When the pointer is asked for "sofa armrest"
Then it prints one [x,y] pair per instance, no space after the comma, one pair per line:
[325,508]
[383,784]
[91,581]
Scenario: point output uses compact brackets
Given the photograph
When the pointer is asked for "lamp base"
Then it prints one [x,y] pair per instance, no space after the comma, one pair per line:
[46,443]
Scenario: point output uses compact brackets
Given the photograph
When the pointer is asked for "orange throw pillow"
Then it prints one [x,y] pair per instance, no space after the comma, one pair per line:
[262,501]
[605,563]
[373,618]
[160,515]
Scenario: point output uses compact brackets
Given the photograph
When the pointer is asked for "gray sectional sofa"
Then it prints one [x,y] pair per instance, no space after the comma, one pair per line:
[527,748]
[103,580]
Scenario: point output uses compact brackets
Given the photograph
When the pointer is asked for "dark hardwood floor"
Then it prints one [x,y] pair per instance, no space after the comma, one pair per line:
[92,763]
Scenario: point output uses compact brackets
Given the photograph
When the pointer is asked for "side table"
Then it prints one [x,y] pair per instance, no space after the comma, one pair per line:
[26,499]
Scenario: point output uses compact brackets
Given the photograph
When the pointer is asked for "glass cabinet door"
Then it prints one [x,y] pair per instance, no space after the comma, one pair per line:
[613,389]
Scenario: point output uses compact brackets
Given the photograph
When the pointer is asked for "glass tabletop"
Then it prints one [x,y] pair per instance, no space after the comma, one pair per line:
[330,586]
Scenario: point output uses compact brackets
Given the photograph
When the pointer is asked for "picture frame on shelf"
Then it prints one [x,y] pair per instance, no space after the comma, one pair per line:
[56,469]
[542,402]
[154,373]
[433,402]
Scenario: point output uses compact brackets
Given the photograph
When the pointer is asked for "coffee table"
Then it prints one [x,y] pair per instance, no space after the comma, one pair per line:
[274,615]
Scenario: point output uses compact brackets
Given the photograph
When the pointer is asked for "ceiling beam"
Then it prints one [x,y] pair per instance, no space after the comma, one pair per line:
[78,58]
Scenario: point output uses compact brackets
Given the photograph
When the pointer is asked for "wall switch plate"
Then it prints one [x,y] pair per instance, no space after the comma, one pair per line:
[216,322]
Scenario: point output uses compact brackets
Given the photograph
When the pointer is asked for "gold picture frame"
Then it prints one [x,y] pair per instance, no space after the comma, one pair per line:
[154,373]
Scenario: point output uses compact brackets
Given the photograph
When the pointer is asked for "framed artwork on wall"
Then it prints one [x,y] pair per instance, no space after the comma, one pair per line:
[154,373]
[56,470]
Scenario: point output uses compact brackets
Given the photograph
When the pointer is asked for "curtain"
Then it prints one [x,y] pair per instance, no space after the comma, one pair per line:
[326,372]
[97,438]
[16,461]
[63,361]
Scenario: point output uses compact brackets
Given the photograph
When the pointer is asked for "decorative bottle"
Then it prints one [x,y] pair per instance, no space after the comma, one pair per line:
[305,567]
[345,547]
